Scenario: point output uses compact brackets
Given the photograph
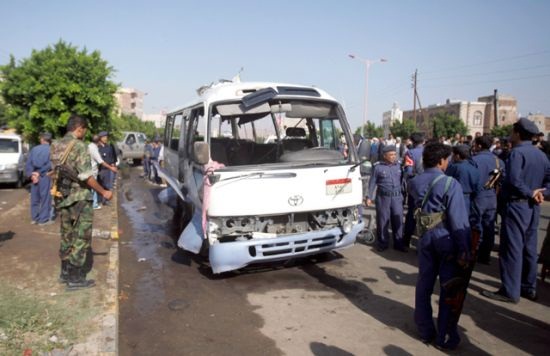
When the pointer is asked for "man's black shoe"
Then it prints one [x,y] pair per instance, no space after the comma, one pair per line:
[77,279]
[64,274]
[498,295]
[484,261]
[381,249]
[531,295]
[401,249]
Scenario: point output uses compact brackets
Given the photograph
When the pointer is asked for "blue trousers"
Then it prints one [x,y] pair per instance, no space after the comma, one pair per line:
[41,200]
[106,179]
[410,223]
[518,248]
[147,167]
[486,206]
[389,210]
[436,257]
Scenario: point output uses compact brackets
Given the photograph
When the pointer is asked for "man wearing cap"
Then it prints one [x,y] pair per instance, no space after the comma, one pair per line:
[412,166]
[487,164]
[108,154]
[524,188]
[386,178]
[463,170]
[37,166]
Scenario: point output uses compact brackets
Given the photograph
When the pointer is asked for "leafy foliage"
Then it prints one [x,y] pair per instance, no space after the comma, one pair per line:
[371,130]
[501,131]
[133,123]
[403,129]
[448,125]
[42,91]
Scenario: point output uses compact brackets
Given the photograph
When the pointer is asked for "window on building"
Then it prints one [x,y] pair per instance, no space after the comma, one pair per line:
[478,118]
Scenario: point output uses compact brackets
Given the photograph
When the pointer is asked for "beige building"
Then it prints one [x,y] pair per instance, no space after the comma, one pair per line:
[130,101]
[542,122]
[391,116]
[477,115]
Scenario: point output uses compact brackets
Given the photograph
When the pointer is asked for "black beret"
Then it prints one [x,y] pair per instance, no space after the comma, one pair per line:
[528,126]
[390,148]
[103,133]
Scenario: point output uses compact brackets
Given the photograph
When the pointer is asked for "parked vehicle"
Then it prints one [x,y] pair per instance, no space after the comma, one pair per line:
[12,160]
[248,199]
[131,146]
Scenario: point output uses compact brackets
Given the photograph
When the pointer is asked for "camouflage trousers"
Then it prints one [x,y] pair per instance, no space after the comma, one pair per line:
[76,233]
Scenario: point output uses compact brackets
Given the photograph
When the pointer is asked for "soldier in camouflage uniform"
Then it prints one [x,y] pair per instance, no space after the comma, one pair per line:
[75,204]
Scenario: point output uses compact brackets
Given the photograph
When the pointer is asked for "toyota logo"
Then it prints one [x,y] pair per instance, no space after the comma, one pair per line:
[295,200]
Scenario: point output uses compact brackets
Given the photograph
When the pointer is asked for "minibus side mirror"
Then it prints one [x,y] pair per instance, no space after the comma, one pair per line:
[201,153]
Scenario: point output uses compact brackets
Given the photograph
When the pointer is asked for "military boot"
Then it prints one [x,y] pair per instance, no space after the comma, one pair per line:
[77,279]
[64,274]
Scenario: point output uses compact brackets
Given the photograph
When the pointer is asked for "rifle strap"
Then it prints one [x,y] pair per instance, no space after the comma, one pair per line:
[67,151]
[432,184]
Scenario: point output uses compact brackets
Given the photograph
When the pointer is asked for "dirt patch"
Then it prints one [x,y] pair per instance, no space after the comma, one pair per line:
[36,313]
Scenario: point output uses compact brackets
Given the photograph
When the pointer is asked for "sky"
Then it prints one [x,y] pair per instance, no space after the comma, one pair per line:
[462,49]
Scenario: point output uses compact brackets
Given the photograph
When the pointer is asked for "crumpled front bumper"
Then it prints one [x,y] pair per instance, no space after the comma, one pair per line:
[230,256]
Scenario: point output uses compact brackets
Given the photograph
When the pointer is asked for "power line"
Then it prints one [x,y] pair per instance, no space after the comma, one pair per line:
[487,81]
[489,62]
[487,73]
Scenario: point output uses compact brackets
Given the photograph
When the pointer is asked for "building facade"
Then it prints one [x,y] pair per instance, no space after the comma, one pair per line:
[478,116]
[542,122]
[130,102]
[391,116]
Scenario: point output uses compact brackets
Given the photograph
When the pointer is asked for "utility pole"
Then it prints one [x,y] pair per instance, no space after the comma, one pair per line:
[495,107]
[414,94]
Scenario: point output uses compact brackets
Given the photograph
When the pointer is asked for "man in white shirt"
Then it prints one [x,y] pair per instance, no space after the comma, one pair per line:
[96,162]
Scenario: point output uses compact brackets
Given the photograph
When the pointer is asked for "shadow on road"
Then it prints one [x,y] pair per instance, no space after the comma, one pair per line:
[387,311]
[5,236]
[321,349]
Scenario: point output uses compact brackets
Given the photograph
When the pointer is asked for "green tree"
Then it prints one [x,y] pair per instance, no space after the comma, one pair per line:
[501,131]
[448,125]
[133,123]
[403,129]
[371,130]
[3,118]
[42,91]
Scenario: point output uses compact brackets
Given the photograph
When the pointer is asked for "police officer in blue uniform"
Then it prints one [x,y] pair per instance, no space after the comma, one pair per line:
[442,248]
[36,168]
[464,171]
[386,178]
[486,200]
[526,183]
[412,166]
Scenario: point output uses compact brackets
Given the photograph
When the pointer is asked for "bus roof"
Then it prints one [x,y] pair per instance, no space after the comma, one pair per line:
[235,91]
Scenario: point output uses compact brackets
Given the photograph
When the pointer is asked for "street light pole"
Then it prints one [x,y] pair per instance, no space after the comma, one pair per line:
[367,63]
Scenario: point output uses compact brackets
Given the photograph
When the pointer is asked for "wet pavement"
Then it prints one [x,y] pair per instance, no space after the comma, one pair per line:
[170,303]
[356,301]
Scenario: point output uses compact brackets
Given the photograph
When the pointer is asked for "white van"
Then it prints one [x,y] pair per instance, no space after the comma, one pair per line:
[12,160]
[247,199]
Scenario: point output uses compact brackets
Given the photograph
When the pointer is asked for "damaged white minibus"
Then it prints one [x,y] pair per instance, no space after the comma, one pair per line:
[264,172]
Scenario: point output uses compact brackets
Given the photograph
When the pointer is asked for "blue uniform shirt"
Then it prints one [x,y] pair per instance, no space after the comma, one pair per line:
[527,169]
[486,162]
[38,160]
[456,226]
[415,155]
[467,175]
[385,176]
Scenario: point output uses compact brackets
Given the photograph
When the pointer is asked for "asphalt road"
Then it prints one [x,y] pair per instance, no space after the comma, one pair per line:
[355,301]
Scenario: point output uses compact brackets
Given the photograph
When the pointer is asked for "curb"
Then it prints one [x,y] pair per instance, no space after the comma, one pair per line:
[109,343]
